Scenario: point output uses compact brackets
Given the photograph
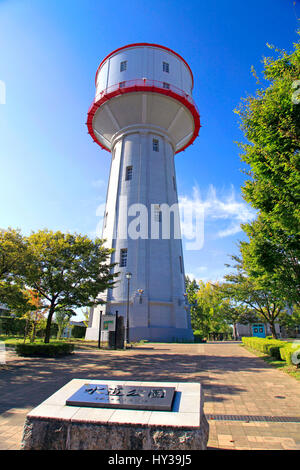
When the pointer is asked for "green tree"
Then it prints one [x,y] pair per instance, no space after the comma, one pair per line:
[67,270]
[270,121]
[207,308]
[62,318]
[13,259]
[272,258]
[232,311]
[33,312]
[86,315]
[291,321]
[209,302]
[257,295]
[12,253]
[196,311]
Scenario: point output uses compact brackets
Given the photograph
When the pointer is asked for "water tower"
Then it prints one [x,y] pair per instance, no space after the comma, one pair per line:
[143,113]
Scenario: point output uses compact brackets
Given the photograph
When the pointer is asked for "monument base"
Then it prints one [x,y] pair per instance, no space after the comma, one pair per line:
[53,425]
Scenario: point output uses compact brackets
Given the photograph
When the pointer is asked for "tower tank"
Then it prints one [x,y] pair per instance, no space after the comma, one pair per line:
[143,114]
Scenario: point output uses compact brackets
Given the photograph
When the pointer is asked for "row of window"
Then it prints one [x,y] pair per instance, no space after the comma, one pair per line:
[165,66]
[155,146]
[165,85]
[157,214]
[123,259]
[129,174]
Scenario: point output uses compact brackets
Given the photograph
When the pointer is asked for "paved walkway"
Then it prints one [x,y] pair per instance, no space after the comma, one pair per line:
[237,385]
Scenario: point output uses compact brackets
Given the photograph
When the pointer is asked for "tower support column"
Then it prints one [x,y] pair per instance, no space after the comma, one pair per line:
[142,226]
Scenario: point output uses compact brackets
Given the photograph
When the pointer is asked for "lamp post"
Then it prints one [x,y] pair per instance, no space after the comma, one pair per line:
[99,332]
[128,277]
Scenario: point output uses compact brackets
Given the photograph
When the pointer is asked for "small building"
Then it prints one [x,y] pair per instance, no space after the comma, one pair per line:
[259,329]
[3,309]
[67,332]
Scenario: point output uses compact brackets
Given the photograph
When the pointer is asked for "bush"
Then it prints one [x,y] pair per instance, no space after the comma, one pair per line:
[198,337]
[287,352]
[271,347]
[12,326]
[16,326]
[44,350]
[78,331]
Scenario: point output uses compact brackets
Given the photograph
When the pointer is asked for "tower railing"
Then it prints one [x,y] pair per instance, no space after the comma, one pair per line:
[144,83]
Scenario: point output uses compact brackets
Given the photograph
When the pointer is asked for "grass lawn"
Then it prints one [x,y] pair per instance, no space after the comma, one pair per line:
[291,370]
[12,341]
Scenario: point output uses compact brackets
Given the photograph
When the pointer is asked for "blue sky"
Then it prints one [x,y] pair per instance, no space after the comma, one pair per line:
[53,175]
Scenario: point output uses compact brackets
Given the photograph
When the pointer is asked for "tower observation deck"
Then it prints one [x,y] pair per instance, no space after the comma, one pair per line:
[144,113]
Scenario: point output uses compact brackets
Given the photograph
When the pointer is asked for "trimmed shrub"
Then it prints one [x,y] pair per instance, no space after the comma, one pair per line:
[198,337]
[78,331]
[12,326]
[291,354]
[44,350]
[271,347]
[16,326]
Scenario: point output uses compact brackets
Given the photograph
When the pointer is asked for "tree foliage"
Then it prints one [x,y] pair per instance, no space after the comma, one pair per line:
[66,270]
[271,258]
[34,314]
[62,318]
[270,121]
[13,258]
[271,124]
[260,300]
[206,308]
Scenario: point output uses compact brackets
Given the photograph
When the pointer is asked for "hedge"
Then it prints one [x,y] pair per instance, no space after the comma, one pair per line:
[16,326]
[44,349]
[291,354]
[198,337]
[270,347]
[78,331]
[12,326]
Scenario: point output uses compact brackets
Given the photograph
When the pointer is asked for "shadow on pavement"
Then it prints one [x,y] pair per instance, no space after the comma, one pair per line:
[29,381]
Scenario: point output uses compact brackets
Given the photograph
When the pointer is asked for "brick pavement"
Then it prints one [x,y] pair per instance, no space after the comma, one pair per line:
[235,383]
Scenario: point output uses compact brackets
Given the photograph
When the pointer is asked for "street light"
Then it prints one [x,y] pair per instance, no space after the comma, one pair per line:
[128,277]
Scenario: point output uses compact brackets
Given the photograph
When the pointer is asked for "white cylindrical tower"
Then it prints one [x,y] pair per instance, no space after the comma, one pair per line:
[144,113]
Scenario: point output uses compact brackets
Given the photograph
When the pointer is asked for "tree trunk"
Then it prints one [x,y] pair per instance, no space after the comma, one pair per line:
[59,331]
[32,339]
[26,330]
[234,332]
[273,330]
[49,320]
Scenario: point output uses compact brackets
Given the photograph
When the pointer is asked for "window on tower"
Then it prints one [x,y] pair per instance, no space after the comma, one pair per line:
[123,257]
[166,85]
[180,263]
[166,67]
[105,219]
[174,183]
[123,66]
[155,145]
[128,173]
[157,213]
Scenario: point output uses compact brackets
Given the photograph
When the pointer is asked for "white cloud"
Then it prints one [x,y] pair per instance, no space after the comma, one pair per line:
[201,269]
[98,183]
[204,274]
[231,230]
[216,208]
[100,210]
[191,276]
